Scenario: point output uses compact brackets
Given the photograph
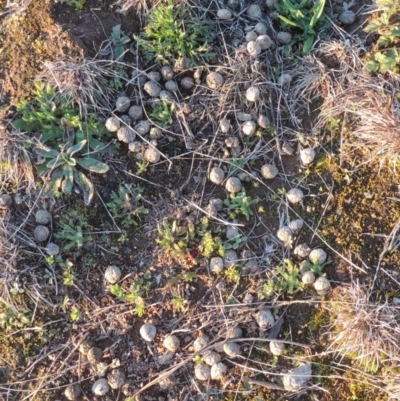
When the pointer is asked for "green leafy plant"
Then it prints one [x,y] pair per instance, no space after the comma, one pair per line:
[134,294]
[11,319]
[162,113]
[287,280]
[125,206]
[316,268]
[178,302]
[61,168]
[51,117]
[142,167]
[72,236]
[385,57]
[119,40]
[174,239]
[233,273]
[240,203]
[305,16]
[77,4]
[75,314]
[173,32]
[235,242]
[211,245]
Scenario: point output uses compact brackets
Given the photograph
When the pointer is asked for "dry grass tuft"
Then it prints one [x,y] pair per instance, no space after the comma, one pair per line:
[366,332]
[83,83]
[16,171]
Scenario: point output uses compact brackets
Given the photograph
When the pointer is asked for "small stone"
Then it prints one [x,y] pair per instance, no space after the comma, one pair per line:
[143,127]
[284,79]
[235,332]
[287,148]
[167,73]
[116,379]
[322,286]
[202,372]
[271,3]
[135,113]
[166,359]
[126,134]
[269,171]
[253,94]
[232,232]
[122,104]
[166,96]
[253,48]
[171,86]
[73,391]
[295,195]
[232,349]
[218,203]
[183,63]
[233,4]
[113,124]
[260,28]
[302,250]
[263,121]
[100,387]
[251,36]
[85,346]
[230,258]
[296,225]
[224,14]
[249,128]
[6,202]
[233,185]
[232,142]
[265,319]
[152,155]
[41,233]
[265,42]
[52,249]
[285,234]
[155,133]
[187,83]
[171,343]
[214,80]
[148,332]
[218,371]
[284,38]
[212,210]
[254,12]
[217,175]
[216,264]
[152,88]
[307,155]
[308,277]
[297,378]
[224,125]
[200,343]
[154,76]
[243,116]
[112,274]
[211,358]
[42,217]
[94,355]
[317,256]
[347,17]
[276,348]
[135,146]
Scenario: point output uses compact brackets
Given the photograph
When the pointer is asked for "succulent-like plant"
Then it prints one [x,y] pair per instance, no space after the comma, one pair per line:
[63,172]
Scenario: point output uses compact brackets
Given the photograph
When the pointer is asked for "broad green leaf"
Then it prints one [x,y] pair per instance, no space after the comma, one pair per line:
[85,185]
[93,165]
[317,10]
[46,153]
[372,66]
[307,45]
[68,181]
[374,26]
[387,61]
[54,163]
[289,22]
[76,148]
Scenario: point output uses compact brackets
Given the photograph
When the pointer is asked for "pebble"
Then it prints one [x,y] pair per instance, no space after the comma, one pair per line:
[100,387]
[122,104]
[148,332]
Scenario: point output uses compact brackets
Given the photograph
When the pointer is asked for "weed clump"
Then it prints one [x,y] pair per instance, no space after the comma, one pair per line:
[172,32]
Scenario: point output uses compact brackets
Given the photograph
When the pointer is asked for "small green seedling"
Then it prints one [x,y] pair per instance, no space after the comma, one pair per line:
[305,16]
[240,203]
[316,268]
[178,302]
[119,40]
[162,113]
[75,314]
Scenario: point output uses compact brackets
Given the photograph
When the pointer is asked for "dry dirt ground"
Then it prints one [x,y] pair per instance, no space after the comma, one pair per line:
[52,307]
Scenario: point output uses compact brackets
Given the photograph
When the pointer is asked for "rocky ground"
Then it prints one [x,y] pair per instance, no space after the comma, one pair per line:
[215,219]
